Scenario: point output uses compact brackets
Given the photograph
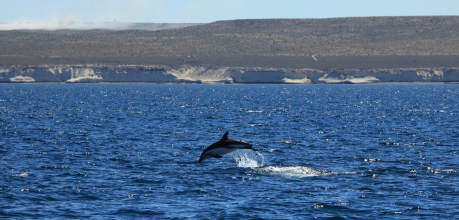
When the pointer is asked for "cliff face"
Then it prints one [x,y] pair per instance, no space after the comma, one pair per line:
[198,74]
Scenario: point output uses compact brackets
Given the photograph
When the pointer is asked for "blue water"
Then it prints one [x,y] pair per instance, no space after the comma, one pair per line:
[129,151]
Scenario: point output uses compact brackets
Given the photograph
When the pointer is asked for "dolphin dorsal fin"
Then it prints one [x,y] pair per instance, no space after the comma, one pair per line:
[225,136]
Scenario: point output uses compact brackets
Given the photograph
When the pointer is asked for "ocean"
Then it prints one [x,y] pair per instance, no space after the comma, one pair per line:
[131,151]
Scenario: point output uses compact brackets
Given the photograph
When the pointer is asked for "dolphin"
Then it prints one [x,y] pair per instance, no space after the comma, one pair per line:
[224,146]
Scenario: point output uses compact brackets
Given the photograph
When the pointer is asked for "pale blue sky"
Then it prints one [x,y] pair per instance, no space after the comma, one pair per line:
[203,11]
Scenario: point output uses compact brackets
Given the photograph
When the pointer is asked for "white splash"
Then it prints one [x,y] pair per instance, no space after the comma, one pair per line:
[248,158]
[293,171]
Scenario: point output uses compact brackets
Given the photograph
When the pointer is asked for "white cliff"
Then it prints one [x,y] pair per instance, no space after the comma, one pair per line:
[268,76]
[341,78]
[199,74]
[83,75]
[22,79]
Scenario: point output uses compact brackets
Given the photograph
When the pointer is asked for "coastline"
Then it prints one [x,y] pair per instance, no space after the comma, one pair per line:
[187,74]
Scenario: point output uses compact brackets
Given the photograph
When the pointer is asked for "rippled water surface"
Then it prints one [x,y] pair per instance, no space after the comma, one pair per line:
[130,151]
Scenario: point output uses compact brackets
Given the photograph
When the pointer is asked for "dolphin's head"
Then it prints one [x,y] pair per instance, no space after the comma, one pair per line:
[204,156]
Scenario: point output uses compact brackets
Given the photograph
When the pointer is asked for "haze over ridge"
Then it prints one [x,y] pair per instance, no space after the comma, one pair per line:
[64,25]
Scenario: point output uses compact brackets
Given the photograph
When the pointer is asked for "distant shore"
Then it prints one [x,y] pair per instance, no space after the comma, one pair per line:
[219,75]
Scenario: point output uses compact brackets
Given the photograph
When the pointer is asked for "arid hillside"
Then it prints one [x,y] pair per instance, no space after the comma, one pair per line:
[367,42]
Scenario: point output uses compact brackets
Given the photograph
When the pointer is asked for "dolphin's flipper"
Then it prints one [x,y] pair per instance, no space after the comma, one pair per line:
[225,136]
[217,156]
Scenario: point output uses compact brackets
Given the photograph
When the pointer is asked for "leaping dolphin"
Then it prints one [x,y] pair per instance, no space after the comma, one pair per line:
[224,146]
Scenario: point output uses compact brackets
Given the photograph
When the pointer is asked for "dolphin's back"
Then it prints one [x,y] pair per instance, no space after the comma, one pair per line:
[228,143]
[224,146]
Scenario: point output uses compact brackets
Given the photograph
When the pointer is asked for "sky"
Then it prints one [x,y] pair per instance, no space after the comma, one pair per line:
[62,12]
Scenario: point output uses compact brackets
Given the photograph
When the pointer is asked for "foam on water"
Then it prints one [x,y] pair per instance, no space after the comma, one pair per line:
[256,161]
[22,175]
[293,171]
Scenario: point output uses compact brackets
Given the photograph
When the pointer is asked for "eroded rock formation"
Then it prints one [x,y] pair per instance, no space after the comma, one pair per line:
[199,74]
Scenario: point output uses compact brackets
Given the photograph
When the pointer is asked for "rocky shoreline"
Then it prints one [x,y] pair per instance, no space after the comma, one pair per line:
[203,74]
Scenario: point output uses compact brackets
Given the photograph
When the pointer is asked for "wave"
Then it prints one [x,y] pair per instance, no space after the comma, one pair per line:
[253,111]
